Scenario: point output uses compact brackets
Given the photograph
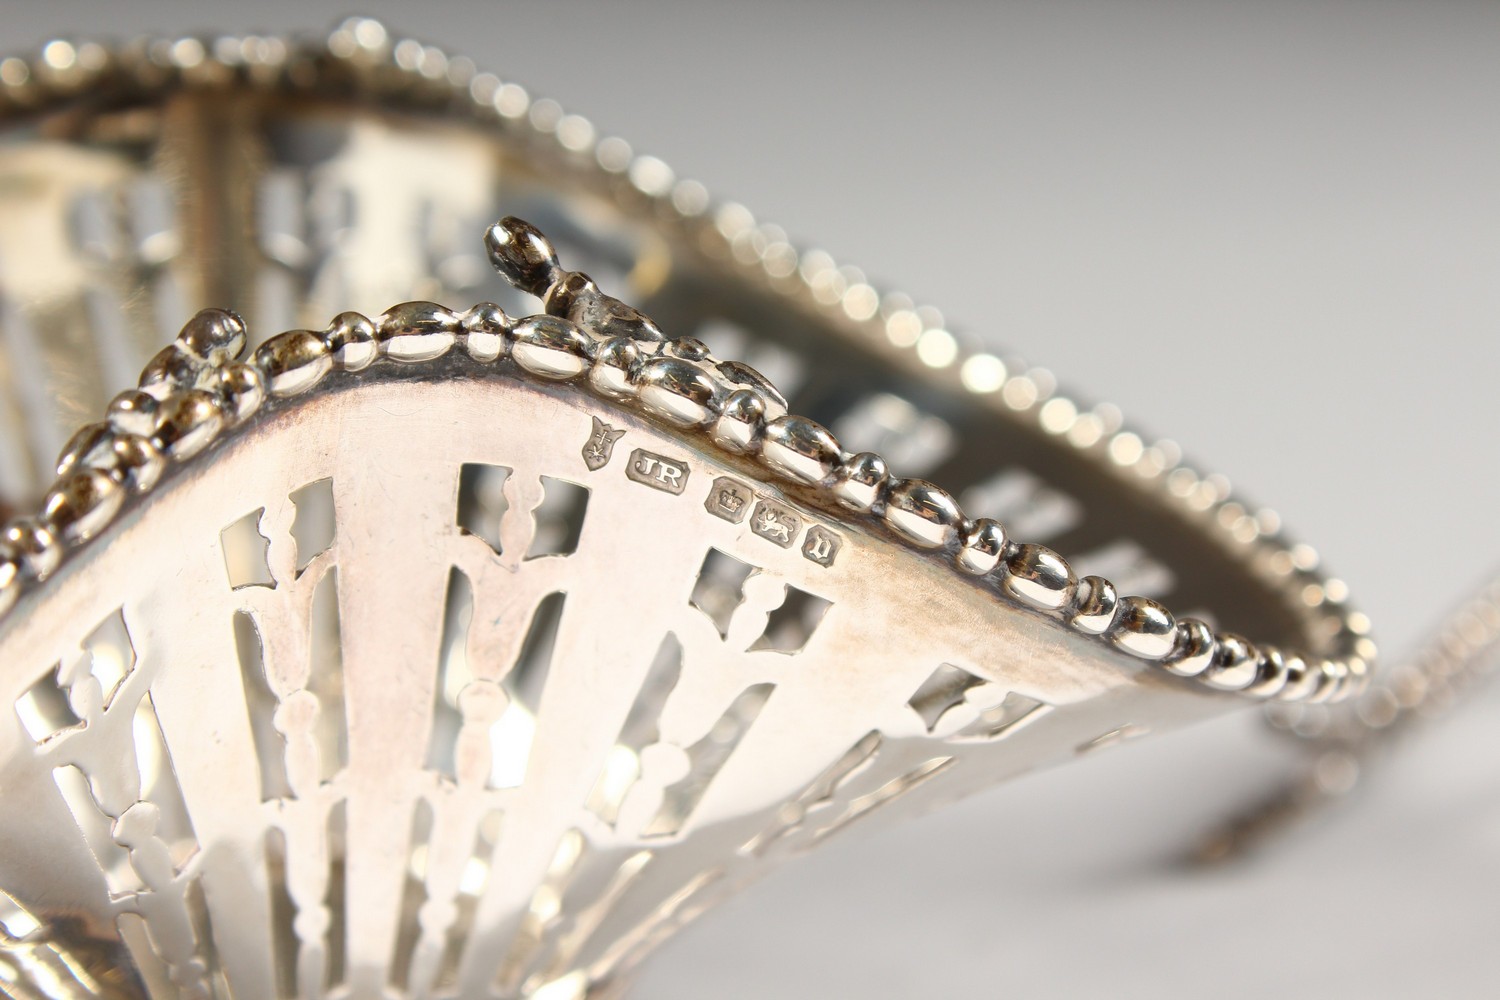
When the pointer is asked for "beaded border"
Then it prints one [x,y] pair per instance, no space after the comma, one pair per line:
[199,388]
[360,54]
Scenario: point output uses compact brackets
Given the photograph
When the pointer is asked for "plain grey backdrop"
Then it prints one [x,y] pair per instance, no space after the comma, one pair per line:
[1270,229]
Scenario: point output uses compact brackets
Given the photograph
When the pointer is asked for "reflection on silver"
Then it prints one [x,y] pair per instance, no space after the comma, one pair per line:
[909,439]
[465,705]
[1025,504]
[431,652]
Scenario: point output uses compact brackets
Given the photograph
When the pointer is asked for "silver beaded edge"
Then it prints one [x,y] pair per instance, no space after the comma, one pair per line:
[127,453]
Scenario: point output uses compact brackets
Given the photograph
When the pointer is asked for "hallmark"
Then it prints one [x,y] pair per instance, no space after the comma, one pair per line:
[658,471]
[776,523]
[729,499]
[821,546]
[600,445]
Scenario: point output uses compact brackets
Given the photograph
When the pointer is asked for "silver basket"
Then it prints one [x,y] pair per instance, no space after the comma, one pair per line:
[441,653]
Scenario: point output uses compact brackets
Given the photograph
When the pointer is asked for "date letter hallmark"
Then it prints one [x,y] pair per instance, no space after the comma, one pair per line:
[821,546]
[728,499]
[600,445]
[658,472]
[732,500]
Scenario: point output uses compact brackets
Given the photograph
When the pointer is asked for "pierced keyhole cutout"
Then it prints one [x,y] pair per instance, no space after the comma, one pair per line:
[246,552]
[66,697]
[704,760]
[326,678]
[1014,710]
[314,527]
[720,588]
[790,626]
[559,518]
[622,765]
[260,704]
[940,692]
[454,676]
[513,735]
[413,894]
[482,502]
[956,705]
[295,702]
[44,710]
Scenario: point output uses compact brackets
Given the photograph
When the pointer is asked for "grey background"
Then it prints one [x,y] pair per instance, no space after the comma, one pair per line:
[1271,229]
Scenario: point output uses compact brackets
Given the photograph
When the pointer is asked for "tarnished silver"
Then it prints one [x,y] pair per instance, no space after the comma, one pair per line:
[457,650]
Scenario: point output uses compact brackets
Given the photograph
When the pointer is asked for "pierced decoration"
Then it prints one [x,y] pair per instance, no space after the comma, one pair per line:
[791,626]
[465,697]
[441,653]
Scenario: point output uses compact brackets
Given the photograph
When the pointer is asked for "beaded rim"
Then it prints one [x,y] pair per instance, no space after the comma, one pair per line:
[199,389]
[182,424]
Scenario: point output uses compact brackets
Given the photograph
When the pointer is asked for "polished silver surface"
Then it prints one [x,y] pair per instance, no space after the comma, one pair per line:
[300,363]
[199,388]
[394,722]
[262,189]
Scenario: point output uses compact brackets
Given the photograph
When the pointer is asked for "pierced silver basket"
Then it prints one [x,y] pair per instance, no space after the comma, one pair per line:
[441,653]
